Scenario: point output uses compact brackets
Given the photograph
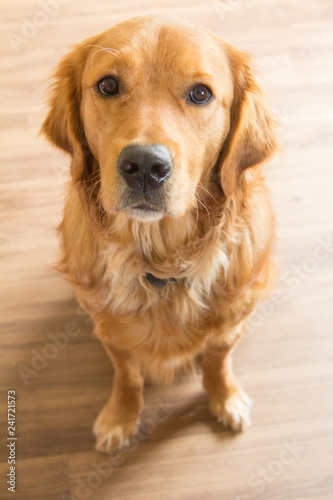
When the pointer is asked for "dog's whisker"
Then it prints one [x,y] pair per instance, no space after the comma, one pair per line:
[101,47]
[206,190]
[106,49]
[197,219]
[201,203]
[199,185]
[95,177]
[91,187]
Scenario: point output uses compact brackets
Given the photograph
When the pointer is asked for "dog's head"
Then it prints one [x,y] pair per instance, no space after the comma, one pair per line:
[150,109]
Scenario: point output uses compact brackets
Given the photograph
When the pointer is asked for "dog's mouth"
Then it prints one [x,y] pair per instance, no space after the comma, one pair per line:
[145,212]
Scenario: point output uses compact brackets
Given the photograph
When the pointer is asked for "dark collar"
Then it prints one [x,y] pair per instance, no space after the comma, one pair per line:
[158,282]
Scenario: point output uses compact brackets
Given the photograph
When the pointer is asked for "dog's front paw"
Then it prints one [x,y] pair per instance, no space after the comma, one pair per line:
[111,432]
[233,410]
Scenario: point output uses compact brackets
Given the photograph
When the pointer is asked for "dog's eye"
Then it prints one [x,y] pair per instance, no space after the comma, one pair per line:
[200,94]
[108,86]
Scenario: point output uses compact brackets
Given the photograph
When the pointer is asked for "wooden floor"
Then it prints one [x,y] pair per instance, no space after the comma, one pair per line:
[286,361]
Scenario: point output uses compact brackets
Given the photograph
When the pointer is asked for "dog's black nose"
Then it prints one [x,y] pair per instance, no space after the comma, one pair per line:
[145,167]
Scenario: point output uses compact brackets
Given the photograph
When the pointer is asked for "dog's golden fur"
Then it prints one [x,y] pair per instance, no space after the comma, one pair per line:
[216,235]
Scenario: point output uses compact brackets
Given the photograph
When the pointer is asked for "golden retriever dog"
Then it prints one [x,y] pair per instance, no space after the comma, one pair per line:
[168,232]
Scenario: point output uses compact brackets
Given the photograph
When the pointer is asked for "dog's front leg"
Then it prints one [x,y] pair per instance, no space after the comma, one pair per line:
[118,420]
[227,400]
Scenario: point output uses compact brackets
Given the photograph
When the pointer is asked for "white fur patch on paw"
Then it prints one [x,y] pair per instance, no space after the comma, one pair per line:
[111,434]
[235,411]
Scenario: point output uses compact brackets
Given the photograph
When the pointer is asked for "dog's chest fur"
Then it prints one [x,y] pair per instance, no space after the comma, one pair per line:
[193,265]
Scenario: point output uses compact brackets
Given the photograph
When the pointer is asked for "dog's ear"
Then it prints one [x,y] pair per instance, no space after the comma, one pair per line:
[251,138]
[63,125]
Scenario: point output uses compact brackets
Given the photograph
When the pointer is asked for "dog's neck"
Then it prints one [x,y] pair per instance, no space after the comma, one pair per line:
[160,244]
[172,249]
